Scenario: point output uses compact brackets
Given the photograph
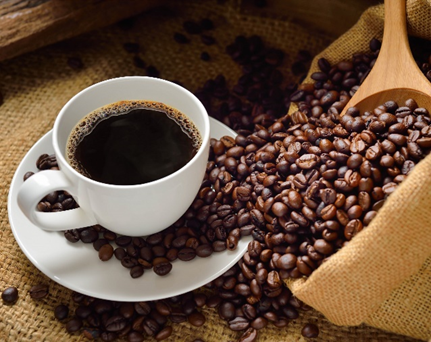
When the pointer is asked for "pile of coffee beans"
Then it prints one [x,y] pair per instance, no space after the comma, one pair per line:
[314,186]
[259,95]
[302,185]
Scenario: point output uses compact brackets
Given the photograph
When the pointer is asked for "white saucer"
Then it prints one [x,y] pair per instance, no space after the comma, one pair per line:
[77,266]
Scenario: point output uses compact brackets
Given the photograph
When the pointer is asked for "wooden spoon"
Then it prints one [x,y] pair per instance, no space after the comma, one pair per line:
[395,75]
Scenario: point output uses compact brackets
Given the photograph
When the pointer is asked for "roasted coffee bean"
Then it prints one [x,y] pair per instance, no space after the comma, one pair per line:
[151,327]
[105,252]
[196,319]
[163,334]
[137,271]
[310,331]
[286,261]
[27,175]
[250,335]
[128,261]
[279,209]
[61,312]
[238,324]
[181,38]
[352,228]
[39,291]
[226,310]
[204,250]
[115,323]
[75,63]
[161,266]
[74,325]
[10,295]
[88,235]
[186,254]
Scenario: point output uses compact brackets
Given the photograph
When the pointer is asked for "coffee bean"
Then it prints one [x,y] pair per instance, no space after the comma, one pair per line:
[88,235]
[136,336]
[207,40]
[136,271]
[181,38]
[323,247]
[61,312]
[39,291]
[161,266]
[10,295]
[310,331]
[105,252]
[307,161]
[238,324]
[328,212]
[74,325]
[250,335]
[151,327]
[286,261]
[46,161]
[397,139]
[115,323]
[139,62]
[186,254]
[27,175]
[196,319]
[204,250]
[164,333]
[192,27]
[352,228]
[205,56]
[75,63]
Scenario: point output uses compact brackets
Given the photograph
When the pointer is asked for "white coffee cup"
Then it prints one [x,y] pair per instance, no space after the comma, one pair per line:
[134,210]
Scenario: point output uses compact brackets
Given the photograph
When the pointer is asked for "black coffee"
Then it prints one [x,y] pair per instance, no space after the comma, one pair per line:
[132,142]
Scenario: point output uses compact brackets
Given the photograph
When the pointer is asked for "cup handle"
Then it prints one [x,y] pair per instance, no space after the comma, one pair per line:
[37,187]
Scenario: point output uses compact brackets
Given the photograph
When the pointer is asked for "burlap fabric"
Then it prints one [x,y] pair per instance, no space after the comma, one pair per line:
[35,87]
[383,277]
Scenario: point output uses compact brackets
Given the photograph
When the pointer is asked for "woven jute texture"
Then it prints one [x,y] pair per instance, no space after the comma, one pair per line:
[35,87]
[383,277]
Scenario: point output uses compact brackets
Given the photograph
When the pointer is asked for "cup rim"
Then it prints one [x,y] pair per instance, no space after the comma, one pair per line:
[202,149]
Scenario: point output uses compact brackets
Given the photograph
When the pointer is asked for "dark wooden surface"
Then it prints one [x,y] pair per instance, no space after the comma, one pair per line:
[26,25]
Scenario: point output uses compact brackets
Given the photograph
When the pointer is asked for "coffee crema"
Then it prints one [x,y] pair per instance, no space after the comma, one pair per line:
[132,142]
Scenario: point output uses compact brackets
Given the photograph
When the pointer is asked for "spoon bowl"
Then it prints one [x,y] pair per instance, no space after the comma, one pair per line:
[395,75]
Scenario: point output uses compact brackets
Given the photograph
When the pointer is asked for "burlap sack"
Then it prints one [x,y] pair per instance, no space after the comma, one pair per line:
[35,87]
[383,277]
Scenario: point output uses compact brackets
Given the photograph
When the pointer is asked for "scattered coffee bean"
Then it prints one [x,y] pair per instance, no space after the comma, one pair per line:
[75,63]
[180,38]
[152,71]
[139,62]
[39,291]
[206,24]
[192,27]
[310,331]
[10,295]
[61,312]
[207,40]
[74,325]
[205,56]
